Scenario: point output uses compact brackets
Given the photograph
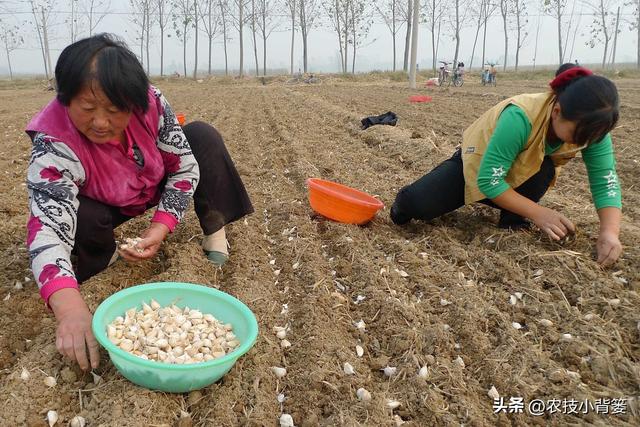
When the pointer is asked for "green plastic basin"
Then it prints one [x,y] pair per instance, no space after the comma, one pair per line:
[169,377]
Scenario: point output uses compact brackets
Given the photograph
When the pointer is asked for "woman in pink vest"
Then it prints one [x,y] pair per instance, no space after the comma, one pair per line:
[108,148]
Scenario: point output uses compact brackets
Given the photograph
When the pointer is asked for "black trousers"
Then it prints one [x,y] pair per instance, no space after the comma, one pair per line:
[442,190]
[220,198]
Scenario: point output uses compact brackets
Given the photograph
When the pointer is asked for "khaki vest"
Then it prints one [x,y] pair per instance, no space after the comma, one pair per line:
[475,139]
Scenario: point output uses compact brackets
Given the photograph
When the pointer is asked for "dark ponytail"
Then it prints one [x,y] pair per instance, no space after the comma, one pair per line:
[588,100]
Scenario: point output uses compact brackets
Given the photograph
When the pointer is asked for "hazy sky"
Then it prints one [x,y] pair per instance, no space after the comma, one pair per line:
[376,52]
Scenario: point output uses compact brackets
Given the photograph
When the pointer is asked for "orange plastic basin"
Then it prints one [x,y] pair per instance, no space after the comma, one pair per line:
[181,118]
[341,203]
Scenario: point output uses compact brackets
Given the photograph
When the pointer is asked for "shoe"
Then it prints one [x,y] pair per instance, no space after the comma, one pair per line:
[398,218]
[217,258]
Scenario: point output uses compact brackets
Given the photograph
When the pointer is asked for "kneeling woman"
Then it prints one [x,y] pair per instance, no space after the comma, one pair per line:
[108,148]
[511,154]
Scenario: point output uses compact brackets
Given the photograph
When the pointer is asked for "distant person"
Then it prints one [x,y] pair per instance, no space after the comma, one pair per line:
[105,150]
[492,73]
[510,157]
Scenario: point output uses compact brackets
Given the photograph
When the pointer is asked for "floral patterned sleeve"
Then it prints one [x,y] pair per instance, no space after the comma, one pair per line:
[182,168]
[53,179]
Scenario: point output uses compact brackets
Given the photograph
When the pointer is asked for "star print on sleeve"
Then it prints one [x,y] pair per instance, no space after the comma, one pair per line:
[499,172]
[612,183]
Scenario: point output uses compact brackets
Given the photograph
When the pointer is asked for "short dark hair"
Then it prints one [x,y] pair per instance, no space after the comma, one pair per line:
[591,102]
[107,60]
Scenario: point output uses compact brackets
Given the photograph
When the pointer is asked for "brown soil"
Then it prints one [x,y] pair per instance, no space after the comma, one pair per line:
[279,135]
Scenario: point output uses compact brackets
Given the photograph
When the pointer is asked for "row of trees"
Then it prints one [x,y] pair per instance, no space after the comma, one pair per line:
[193,21]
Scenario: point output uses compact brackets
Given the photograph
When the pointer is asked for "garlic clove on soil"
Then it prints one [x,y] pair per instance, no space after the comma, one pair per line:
[493,393]
[278,371]
[286,420]
[78,421]
[363,395]
[52,418]
[459,361]
[566,337]
[398,420]
[516,325]
[50,382]
[359,351]
[392,404]
[423,372]
[285,344]
[389,371]
[545,322]
[348,369]
[25,375]
[360,325]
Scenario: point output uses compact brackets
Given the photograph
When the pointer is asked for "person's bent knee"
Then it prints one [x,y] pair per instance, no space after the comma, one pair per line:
[201,134]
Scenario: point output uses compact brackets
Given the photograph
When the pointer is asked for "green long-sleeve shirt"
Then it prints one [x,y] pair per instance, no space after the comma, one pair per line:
[510,138]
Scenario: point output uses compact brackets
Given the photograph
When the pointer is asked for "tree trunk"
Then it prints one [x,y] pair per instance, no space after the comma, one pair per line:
[455,56]
[9,62]
[575,33]
[264,45]
[559,17]
[240,25]
[638,36]
[505,13]
[184,49]
[606,34]
[46,44]
[293,32]
[434,53]
[394,31]
[346,39]
[148,30]
[414,43]
[195,59]
[303,28]
[475,40]
[253,33]
[484,33]
[615,39]
[407,38]
[353,35]
[519,35]
[336,4]
[162,51]
[224,37]
[210,15]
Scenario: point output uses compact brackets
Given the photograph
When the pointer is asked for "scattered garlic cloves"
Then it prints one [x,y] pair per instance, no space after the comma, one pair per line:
[392,404]
[278,371]
[493,393]
[52,418]
[348,369]
[286,420]
[285,344]
[77,421]
[363,395]
[25,375]
[545,322]
[423,372]
[389,371]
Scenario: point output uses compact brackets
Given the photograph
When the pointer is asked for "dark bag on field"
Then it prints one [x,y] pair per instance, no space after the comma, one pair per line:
[389,118]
